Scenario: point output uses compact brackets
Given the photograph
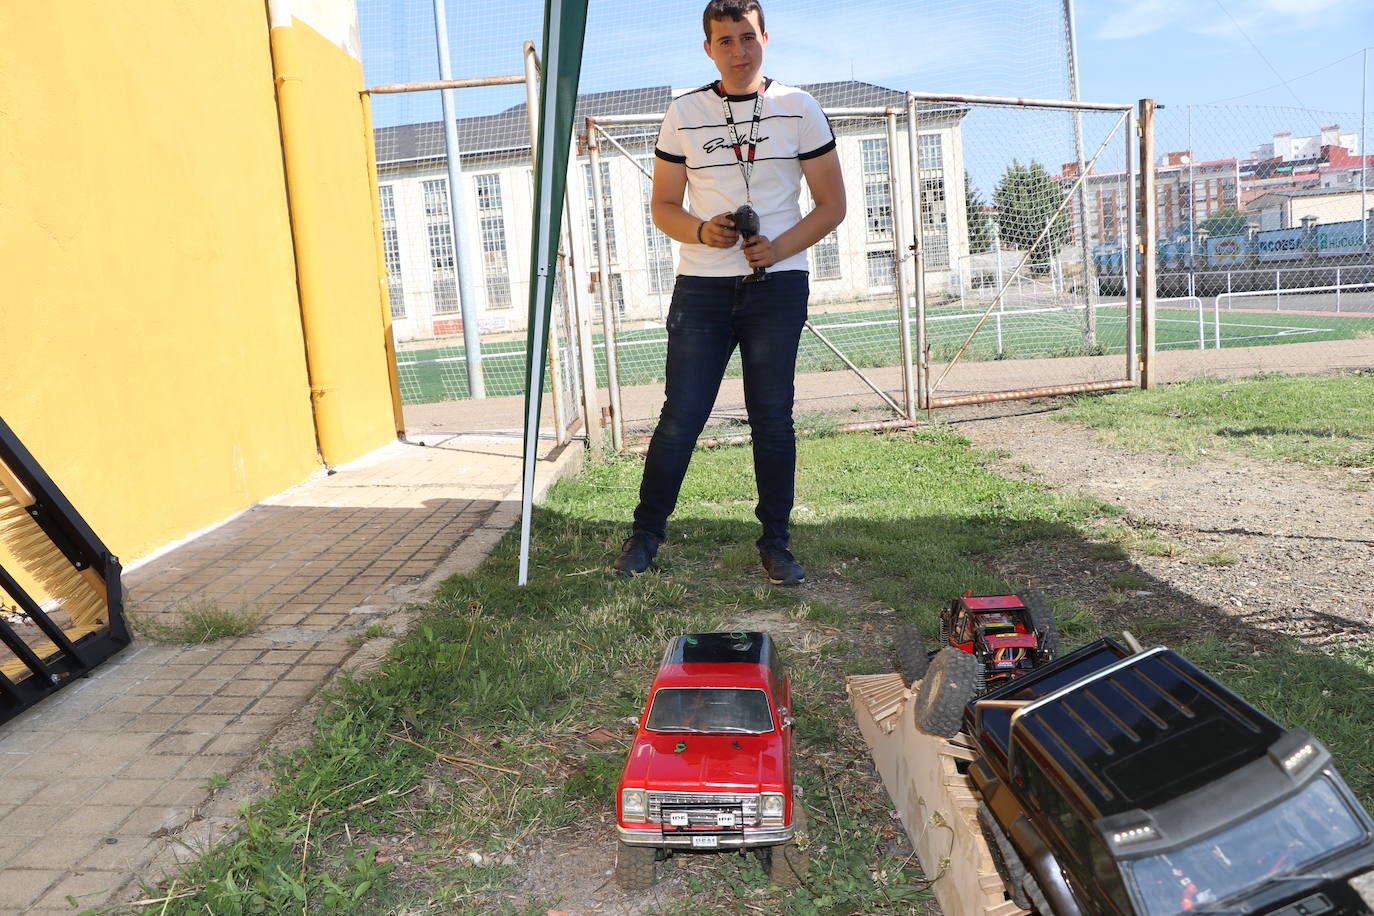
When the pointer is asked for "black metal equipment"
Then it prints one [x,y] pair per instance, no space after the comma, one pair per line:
[47,543]
[746,220]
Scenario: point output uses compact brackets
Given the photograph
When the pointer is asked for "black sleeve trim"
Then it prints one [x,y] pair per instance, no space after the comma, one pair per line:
[816,152]
[669,157]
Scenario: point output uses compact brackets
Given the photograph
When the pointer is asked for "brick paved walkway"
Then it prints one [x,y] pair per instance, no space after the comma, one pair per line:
[106,782]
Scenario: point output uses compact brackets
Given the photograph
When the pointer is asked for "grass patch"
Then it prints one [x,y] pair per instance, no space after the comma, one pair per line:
[197,621]
[503,714]
[1325,691]
[1107,552]
[1128,582]
[1134,538]
[375,631]
[1220,557]
[1321,420]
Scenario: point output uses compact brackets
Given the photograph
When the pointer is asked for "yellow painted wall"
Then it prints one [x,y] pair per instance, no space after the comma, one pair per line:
[151,348]
[330,180]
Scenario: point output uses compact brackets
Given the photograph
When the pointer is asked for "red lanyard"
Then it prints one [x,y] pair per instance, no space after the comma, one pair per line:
[746,162]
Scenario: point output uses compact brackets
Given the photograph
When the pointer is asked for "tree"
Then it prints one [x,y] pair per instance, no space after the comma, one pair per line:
[980,230]
[1026,197]
[1223,222]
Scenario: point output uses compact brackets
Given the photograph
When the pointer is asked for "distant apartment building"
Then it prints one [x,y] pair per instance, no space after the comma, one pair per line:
[1184,191]
[1288,209]
[1324,160]
[1277,176]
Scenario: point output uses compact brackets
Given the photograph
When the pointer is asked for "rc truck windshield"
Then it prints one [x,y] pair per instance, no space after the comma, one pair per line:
[1279,842]
[710,709]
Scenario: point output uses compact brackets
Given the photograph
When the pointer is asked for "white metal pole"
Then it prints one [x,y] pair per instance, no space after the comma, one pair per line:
[543,276]
[1201,321]
[1089,276]
[1192,206]
[463,266]
[1364,153]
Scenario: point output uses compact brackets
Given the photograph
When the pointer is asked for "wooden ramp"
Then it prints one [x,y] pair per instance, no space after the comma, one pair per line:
[938,804]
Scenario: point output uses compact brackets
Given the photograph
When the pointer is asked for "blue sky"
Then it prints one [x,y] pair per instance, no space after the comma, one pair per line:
[1179,52]
[1200,51]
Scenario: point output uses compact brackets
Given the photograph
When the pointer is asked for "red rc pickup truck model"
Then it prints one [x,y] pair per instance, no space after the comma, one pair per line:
[711,764]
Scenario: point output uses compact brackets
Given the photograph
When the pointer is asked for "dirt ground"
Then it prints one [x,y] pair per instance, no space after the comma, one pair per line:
[1302,537]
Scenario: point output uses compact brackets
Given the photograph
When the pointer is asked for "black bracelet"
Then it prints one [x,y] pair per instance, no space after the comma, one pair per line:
[701,226]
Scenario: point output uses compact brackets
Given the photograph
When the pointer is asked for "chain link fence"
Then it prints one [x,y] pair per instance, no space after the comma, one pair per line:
[1264,217]
[1025,270]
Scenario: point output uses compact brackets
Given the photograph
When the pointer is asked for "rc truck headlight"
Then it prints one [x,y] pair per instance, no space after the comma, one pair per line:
[1133,835]
[634,805]
[1299,757]
[772,808]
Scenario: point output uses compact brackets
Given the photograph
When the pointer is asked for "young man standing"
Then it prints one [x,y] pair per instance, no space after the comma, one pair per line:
[743,139]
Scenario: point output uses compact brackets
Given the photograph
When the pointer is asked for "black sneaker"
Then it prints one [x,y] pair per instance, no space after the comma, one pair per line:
[781,567]
[637,554]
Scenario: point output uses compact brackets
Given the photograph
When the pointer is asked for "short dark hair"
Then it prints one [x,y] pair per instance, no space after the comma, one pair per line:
[729,9]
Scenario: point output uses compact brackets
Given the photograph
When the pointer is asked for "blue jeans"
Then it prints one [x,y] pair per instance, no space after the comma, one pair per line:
[708,318]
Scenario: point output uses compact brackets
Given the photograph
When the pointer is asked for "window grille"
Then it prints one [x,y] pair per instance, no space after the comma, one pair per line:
[443,279]
[391,247]
[492,226]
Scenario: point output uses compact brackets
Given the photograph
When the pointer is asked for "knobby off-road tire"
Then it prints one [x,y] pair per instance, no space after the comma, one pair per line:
[787,864]
[634,866]
[948,686]
[912,660]
[1005,857]
[1041,619]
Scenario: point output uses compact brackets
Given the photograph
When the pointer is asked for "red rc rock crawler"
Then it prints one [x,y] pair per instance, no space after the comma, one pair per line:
[711,764]
[985,641]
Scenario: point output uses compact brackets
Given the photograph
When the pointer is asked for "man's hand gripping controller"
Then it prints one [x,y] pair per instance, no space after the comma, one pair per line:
[746,221]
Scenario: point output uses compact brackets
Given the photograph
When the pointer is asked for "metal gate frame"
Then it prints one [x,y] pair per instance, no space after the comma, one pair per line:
[1138,121]
[905,413]
[919,393]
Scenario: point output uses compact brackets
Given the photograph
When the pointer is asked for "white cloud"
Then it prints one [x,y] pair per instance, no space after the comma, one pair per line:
[1134,18]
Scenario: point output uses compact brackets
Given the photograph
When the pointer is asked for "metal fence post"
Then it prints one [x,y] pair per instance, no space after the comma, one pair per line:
[1130,260]
[918,253]
[900,259]
[582,326]
[1149,226]
[603,289]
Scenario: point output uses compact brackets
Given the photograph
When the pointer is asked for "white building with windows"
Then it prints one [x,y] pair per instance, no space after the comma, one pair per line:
[855,263]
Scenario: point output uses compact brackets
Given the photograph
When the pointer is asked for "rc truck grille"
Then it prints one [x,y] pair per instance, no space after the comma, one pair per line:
[703,807]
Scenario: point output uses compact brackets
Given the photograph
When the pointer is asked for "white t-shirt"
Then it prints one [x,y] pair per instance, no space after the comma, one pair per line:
[695,132]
